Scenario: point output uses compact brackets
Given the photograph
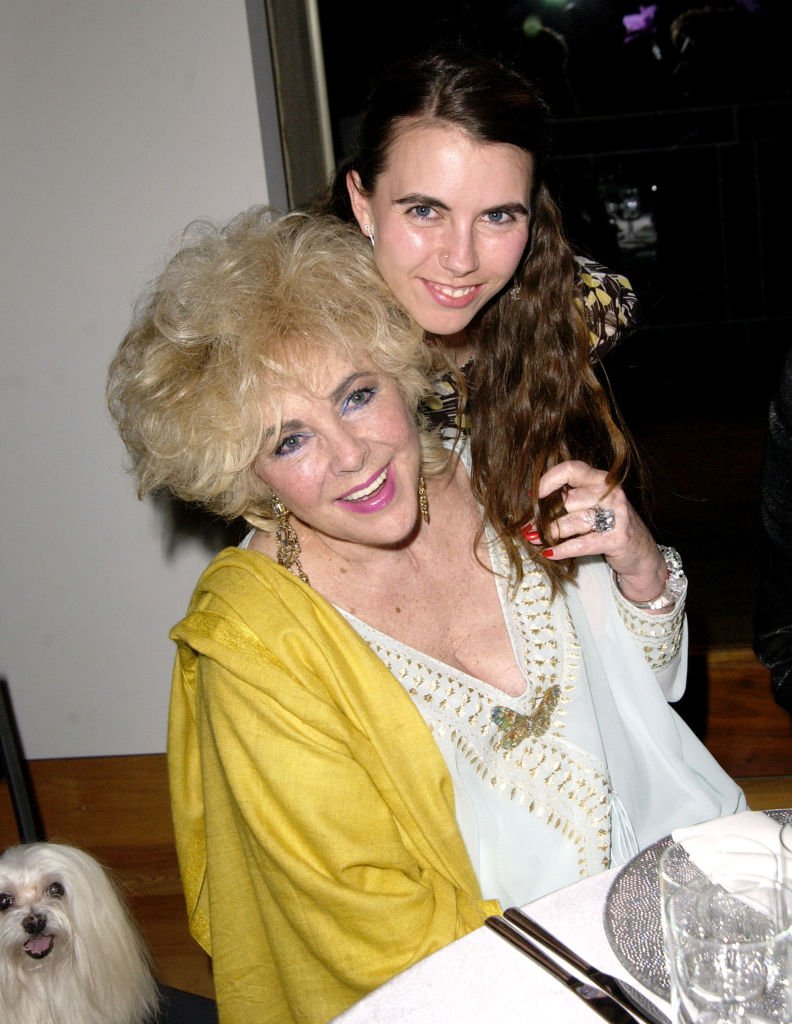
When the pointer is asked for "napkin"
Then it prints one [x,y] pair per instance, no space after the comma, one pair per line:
[727,844]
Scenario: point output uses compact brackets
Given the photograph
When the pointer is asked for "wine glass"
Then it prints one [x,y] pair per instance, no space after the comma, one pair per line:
[730,951]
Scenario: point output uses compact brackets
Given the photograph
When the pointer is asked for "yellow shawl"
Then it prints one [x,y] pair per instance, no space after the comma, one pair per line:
[314,815]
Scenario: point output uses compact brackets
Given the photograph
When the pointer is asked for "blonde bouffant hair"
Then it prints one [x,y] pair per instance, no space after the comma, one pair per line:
[240,314]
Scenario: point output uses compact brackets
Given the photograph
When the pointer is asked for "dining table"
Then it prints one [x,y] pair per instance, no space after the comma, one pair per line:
[481,977]
[610,921]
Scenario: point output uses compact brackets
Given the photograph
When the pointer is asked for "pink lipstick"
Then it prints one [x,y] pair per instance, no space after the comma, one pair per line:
[375,494]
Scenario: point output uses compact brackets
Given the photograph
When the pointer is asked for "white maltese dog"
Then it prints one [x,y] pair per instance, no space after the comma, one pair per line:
[69,952]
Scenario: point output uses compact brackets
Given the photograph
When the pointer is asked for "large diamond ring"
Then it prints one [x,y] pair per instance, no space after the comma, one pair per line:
[604,519]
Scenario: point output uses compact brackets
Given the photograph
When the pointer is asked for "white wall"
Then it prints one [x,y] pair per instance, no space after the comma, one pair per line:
[121,121]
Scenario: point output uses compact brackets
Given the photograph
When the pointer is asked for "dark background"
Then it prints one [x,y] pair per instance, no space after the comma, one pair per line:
[686,126]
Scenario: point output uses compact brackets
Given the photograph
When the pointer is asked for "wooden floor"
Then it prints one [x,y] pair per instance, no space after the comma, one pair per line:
[729,705]
[765,793]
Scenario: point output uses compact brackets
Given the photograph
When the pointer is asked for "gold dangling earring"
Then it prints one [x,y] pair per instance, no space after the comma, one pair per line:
[287,540]
[423,501]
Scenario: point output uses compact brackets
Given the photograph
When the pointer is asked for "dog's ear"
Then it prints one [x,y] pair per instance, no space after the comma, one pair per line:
[126,976]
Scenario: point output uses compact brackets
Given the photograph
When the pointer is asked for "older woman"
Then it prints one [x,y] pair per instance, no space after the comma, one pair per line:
[378,734]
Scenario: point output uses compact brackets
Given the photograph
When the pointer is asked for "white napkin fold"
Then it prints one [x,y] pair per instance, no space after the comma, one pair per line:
[717,846]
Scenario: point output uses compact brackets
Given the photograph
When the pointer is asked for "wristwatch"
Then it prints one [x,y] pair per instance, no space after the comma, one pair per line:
[675,583]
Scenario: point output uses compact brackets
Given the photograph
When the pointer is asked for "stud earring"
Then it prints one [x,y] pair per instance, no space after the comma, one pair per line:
[288,542]
[370,232]
[423,501]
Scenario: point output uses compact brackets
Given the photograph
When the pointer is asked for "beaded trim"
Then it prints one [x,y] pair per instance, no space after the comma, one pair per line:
[659,636]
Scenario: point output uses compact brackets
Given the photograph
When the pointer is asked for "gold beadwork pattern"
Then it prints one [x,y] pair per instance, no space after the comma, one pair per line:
[659,636]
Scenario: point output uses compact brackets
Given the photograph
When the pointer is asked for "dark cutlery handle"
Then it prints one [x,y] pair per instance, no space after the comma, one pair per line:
[497,924]
[640,1007]
[530,927]
[600,1001]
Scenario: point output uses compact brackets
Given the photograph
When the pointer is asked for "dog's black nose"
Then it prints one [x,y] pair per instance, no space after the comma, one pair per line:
[34,924]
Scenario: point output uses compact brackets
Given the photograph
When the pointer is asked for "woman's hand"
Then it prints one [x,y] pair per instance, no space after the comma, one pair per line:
[627,545]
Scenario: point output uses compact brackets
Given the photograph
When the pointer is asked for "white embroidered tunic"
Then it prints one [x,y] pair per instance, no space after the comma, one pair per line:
[532,787]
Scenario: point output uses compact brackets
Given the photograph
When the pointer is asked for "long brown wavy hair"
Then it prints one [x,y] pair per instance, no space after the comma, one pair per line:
[534,398]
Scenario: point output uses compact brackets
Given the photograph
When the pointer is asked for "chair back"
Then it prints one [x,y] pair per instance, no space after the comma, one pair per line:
[13,767]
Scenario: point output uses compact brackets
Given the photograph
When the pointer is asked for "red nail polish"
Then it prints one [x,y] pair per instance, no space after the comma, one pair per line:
[530,533]
[547,553]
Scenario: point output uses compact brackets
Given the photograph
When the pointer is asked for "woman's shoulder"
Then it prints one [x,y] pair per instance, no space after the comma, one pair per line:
[608,302]
[244,583]
[246,606]
[442,409]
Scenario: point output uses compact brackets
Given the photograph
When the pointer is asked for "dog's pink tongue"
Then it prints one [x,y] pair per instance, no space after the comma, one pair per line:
[39,946]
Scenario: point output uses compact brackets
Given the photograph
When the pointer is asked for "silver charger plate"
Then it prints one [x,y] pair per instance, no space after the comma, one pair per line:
[632,915]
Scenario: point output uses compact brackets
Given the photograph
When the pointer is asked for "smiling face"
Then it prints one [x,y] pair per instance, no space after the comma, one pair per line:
[450,220]
[344,459]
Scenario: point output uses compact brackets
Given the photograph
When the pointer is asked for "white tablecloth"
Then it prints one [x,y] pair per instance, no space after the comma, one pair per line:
[481,978]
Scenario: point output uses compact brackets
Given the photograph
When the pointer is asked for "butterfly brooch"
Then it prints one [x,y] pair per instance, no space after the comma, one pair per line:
[513,727]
